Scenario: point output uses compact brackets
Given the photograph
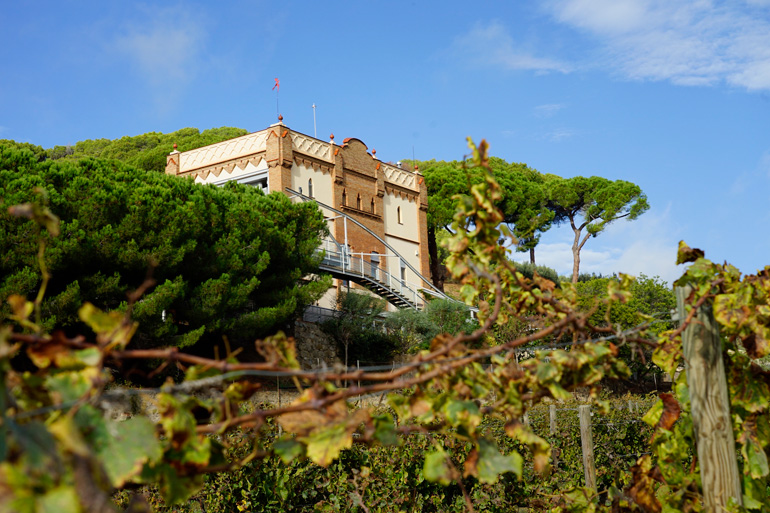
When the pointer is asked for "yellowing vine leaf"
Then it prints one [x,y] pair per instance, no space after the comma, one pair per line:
[492,463]
[436,467]
[62,499]
[21,308]
[538,446]
[324,445]
[133,443]
[643,489]
[670,413]
[752,450]
[305,421]
[111,328]
[687,254]
[73,385]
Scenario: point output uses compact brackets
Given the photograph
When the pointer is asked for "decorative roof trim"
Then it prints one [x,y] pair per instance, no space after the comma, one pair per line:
[229,167]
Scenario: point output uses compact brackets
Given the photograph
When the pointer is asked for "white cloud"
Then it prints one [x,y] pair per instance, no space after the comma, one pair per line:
[491,45]
[548,110]
[559,134]
[166,55]
[614,16]
[687,42]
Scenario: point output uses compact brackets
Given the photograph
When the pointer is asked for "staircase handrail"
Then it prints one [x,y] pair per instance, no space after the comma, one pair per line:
[361,225]
[348,268]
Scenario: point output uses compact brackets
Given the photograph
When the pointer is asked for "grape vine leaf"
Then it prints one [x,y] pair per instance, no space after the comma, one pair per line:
[437,468]
[288,449]
[687,254]
[491,462]
[324,445]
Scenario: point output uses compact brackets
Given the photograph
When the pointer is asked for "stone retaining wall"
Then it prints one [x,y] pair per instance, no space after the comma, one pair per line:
[314,347]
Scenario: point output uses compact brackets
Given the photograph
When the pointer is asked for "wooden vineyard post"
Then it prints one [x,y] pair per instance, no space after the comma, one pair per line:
[552,429]
[710,405]
[587,441]
[278,389]
[552,418]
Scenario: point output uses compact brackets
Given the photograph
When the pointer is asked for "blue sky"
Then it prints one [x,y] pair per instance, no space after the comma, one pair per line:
[672,95]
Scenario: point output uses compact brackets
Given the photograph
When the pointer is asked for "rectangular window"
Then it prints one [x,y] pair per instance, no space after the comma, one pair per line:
[261,183]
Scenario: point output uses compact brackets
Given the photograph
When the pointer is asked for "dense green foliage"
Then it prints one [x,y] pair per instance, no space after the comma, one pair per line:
[652,300]
[415,329]
[650,304]
[522,201]
[529,269]
[357,328]
[39,153]
[227,261]
[147,151]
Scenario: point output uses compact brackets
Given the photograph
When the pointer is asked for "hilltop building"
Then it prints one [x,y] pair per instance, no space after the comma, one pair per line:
[376,212]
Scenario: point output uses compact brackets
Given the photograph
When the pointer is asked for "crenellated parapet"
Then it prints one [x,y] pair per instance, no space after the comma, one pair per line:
[306,145]
[397,176]
[225,151]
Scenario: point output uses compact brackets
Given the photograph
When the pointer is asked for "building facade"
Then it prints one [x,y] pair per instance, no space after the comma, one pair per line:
[389,201]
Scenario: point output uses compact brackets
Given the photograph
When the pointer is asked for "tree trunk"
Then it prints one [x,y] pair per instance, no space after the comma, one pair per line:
[346,360]
[436,270]
[532,256]
[576,256]
[577,245]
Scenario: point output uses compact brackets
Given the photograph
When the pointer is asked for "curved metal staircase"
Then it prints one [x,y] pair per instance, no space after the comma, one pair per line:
[343,265]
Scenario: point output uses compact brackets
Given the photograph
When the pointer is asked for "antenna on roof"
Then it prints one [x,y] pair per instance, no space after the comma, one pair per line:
[315,133]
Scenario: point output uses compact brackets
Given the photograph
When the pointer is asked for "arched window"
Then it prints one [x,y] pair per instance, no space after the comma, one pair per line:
[344,198]
[398,214]
[358,202]
[372,205]
[310,187]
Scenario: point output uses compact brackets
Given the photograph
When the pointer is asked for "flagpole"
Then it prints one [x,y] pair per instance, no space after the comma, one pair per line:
[277,88]
[315,132]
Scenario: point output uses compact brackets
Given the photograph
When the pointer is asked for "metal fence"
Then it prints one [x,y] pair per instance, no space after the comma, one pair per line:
[337,257]
[319,314]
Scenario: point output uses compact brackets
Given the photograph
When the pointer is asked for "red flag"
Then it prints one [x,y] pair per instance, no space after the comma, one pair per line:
[277,85]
